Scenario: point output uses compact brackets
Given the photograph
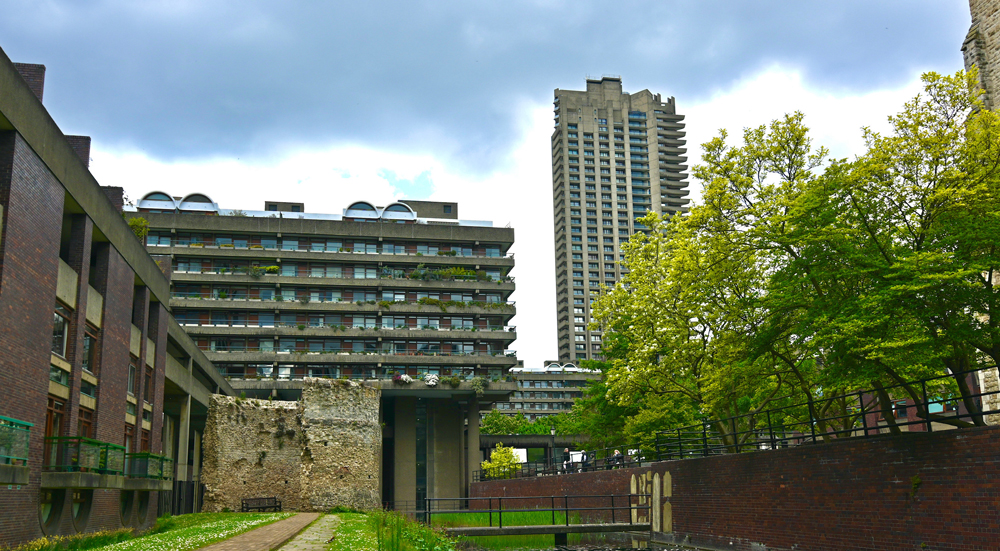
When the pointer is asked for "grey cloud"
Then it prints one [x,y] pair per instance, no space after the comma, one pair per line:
[192,79]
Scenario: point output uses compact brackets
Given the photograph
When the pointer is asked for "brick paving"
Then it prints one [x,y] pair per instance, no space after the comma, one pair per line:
[266,538]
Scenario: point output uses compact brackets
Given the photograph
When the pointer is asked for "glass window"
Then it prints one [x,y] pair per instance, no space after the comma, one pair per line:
[58,375]
[60,329]
[89,362]
[289,269]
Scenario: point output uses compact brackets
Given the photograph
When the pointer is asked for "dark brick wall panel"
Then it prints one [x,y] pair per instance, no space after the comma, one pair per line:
[854,494]
[34,75]
[81,146]
[29,250]
[34,203]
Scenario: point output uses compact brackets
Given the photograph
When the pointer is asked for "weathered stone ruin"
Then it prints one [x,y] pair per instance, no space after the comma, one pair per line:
[315,454]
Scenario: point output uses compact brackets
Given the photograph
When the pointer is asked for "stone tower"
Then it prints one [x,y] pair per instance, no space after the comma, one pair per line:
[982,46]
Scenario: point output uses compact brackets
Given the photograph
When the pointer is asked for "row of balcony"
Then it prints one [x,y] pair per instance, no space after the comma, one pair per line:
[268,272]
[350,305]
[78,462]
[356,327]
[164,241]
[224,349]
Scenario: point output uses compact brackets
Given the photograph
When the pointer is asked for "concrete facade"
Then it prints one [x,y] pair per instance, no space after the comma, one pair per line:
[314,454]
[86,335]
[546,391]
[405,288]
[615,157]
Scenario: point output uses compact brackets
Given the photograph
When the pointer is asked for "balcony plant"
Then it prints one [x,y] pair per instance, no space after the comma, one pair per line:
[272,269]
[256,272]
[479,384]
[401,378]
[431,380]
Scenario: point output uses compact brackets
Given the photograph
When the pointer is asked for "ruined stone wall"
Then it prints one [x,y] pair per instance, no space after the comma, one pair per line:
[315,454]
[343,446]
[982,47]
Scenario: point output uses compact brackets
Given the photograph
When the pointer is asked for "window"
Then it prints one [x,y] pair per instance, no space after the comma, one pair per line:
[58,375]
[60,329]
[132,379]
[85,423]
[147,386]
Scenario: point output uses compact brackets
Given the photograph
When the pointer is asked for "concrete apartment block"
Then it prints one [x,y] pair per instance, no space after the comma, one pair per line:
[273,298]
[615,157]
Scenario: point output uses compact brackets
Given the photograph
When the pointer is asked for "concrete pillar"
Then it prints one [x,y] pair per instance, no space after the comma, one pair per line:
[405,454]
[475,456]
[196,469]
[183,433]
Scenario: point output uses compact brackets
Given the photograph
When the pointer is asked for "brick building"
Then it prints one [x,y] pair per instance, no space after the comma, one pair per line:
[372,293]
[103,390]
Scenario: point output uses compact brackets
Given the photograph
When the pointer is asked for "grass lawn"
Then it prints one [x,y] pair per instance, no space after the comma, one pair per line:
[379,531]
[180,533]
[512,518]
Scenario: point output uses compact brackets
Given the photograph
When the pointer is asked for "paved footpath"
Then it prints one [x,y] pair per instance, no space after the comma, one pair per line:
[315,537]
[267,537]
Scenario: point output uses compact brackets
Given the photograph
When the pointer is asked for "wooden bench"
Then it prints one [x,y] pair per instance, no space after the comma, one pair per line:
[260,504]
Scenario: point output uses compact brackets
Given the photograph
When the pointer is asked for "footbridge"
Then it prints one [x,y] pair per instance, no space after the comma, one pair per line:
[559,515]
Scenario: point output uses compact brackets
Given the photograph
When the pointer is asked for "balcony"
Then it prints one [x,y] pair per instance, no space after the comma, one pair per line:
[14,437]
[258,252]
[505,284]
[254,354]
[148,472]
[196,300]
[507,333]
[77,462]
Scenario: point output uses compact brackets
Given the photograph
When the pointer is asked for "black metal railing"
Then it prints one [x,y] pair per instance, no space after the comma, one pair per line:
[923,405]
[551,510]
[615,457]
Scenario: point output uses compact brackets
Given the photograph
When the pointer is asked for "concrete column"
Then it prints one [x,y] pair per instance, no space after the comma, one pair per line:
[405,454]
[475,456]
[196,469]
[183,433]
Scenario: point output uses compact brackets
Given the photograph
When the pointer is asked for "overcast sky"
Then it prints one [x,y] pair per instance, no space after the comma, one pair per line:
[329,102]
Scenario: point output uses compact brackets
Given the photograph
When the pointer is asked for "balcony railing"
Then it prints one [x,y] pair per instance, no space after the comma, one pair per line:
[243,298]
[340,352]
[148,465]
[336,327]
[14,436]
[429,276]
[309,248]
[78,454]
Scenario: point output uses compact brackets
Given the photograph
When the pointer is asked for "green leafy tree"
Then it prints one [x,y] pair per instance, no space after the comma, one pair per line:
[501,464]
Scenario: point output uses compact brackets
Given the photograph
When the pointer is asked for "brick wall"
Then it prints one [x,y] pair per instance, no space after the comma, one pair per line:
[919,490]
[34,75]
[32,200]
[32,213]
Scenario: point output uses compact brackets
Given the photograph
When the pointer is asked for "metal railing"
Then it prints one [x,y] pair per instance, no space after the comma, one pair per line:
[14,437]
[224,349]
[923,405]
[78,454]
[279,298]
[149,465]
[315,249]
[603,508]
[584,461]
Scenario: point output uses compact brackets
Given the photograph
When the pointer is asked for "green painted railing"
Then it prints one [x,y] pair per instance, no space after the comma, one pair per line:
[149,465]
[14,437]
[78,454]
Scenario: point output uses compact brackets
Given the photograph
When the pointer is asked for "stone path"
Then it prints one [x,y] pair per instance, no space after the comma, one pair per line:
[315,537]
[266,538]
